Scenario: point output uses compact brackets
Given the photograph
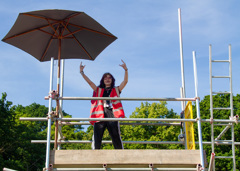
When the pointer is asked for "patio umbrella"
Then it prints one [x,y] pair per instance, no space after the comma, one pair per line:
[42,33]
[61,34]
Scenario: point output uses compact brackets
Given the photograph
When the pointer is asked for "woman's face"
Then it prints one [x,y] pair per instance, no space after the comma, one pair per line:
[107,80]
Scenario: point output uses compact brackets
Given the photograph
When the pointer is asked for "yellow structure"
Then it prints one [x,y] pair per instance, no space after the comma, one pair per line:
[189,127]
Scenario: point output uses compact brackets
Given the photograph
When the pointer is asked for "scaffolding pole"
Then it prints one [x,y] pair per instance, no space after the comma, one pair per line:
[49,116]
[128,119]
[231,105]
[198,111]
[223,132]
[137,142]
[60,136]
[122,123]
[124,169]
[181,55]
[123,98]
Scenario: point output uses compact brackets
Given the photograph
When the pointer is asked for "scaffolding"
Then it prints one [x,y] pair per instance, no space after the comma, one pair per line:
[199,162]
[53,116]
[228,123]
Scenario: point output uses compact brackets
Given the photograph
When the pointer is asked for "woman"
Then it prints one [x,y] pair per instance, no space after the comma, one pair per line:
[106,108]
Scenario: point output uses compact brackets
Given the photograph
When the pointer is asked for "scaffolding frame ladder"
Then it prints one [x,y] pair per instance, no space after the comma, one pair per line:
[228,125]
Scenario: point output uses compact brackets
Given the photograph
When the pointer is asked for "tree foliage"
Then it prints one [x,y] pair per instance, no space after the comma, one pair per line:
[151,132]
[8,132]
[16,150]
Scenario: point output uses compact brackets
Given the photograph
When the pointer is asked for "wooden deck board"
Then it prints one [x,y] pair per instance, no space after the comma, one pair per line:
[124,158]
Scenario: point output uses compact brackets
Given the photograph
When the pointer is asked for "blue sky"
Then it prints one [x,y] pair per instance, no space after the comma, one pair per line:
[148,41]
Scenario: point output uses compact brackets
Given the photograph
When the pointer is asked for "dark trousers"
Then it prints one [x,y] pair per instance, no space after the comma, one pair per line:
[114,131]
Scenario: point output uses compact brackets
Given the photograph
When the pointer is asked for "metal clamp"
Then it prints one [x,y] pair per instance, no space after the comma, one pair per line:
[105,167]
[197,98]
[199,167]
[51,115]
[53,94]
[211,120]
[50,167]
[235,118]
[63,138]
[151,166]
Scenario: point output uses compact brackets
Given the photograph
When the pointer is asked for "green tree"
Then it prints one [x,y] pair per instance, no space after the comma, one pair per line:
[16,150]
[71,132]
[37,130]
[7,132]
[31,156]
[151,132]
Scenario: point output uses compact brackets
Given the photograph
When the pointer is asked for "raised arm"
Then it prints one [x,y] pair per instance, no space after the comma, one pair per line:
[92,85]
[125,81]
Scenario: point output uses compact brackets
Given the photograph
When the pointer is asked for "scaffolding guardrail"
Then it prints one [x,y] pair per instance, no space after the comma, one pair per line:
[55,96]
[128,119]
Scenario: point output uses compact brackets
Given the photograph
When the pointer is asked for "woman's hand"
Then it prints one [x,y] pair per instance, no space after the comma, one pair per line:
[125,81]
[82,67]
[124,66]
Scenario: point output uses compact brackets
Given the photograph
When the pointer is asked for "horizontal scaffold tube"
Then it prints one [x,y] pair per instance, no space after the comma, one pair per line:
[133,142]
[109,142]
[128,119]
[110,119]
[123,169]
[122,123]
[124,98]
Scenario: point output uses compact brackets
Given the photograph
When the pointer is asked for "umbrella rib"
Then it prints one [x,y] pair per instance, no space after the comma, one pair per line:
[35,16]
[26,32]
[47,19]
[55,31]
[91,30]
[44,18]
[83,48]
[70,24]
[71,33]
[73,15]
[80,44]
[47,32]
[43,56]
[65,25]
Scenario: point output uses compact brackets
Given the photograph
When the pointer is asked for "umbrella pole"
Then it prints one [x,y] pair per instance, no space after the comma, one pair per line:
[58,89]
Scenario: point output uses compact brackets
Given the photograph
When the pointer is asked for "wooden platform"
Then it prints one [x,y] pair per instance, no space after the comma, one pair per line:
[124,158]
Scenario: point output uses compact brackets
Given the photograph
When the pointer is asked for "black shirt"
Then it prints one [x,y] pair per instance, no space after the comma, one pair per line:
[106,93]
[108,110]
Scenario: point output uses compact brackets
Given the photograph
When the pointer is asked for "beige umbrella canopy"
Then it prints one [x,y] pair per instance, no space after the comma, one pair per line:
[60,34]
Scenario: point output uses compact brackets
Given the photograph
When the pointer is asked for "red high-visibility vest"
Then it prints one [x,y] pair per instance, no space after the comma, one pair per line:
[97,109]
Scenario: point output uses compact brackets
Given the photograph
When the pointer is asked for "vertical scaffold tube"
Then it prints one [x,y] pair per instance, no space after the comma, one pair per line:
[49,116]
[182,89]
[198,111]
[61,86]
[211,162]
[61,102]
[231,106]
[211,104]
[181,54]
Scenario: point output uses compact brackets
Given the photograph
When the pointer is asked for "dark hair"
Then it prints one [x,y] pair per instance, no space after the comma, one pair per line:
[102,85]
